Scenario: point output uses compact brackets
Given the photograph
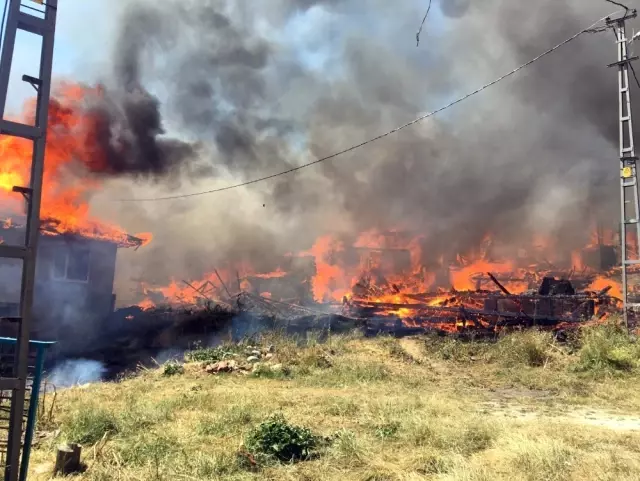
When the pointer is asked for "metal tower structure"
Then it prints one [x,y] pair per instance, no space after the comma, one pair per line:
[42,24]
[630,208]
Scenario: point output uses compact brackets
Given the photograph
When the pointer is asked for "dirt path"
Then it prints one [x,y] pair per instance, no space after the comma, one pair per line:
[413,347]
[579,415]
[508,403]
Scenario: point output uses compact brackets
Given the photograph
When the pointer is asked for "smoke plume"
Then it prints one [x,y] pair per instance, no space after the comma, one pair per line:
[74,372]
[266,87]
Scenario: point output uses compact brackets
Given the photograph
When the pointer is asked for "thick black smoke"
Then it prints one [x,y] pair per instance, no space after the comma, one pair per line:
[269,85]
[128,135]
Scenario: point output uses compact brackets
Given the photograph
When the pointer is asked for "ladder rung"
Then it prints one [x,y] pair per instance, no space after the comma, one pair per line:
[32,24]
[13,252]
[9,383]
[625,119]
[626,150]
[623,62]
[36,82]
[624,90]
[632,262]
[19,130]
[630,184]
[633,304]
[628,158]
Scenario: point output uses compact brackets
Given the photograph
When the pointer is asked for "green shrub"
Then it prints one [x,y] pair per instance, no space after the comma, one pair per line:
[529,348]
[171,368]
[268,371]
[387,430]
[279,440]
[211,354]
[606,348]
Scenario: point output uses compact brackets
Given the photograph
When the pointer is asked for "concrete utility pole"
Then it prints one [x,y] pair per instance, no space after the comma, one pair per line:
[630,210]
[42,24]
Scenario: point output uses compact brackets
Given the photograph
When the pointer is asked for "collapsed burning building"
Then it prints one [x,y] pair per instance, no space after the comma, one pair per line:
[385,281]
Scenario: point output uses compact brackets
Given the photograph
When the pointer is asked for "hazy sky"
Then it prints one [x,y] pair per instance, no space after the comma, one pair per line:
[82,35]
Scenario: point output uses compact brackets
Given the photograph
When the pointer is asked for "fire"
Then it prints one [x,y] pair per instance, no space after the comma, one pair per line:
[602,282]
[146,304]
[272,275]
[462,278]
[389,275]
[71,156]
[330,281]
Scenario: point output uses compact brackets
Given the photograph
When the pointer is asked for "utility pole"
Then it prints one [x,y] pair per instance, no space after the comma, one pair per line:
[42,24]
[630,210]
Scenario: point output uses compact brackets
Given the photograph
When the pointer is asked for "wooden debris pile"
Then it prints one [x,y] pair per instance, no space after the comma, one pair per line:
[555,305]
[135,335]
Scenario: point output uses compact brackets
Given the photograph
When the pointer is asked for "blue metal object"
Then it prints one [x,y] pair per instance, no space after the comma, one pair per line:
[32,413]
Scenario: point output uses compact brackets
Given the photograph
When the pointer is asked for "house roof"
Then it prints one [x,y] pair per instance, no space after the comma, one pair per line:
[53,227]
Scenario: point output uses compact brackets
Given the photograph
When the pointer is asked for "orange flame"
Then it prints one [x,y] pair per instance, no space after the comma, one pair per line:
[67,183]
[386,271]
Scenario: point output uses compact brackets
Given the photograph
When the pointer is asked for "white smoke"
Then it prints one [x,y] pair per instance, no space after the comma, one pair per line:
[172,354]
[76,372]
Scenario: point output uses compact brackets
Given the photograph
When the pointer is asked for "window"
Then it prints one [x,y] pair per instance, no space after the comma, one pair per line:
[71,262]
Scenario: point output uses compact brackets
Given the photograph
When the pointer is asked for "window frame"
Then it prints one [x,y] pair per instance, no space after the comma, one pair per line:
[68,252]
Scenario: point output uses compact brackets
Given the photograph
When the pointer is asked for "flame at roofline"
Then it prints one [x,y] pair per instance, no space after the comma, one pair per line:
[89,231]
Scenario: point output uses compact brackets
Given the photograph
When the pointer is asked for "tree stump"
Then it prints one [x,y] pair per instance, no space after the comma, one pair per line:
[67,459]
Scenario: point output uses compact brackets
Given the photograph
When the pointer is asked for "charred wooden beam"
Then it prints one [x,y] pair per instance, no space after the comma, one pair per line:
[223,284]
[497,283]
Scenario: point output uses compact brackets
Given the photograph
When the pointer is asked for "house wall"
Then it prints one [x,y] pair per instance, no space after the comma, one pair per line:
[73,291]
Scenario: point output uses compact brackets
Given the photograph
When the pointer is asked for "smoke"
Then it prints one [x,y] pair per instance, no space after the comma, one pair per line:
[76,372]
[454,8]
[267,87]
[173,354]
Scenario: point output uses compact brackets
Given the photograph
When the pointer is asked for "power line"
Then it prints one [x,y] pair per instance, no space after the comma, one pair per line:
[626,9]
[378,137]
[633,70]
[422,24]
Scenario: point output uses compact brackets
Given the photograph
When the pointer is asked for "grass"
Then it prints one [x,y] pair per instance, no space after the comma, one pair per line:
[366,409]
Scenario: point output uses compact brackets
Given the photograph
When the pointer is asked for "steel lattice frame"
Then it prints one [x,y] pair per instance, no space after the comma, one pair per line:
[43,26]
[629,208]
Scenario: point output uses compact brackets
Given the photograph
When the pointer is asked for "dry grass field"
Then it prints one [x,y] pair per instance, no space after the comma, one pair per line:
[523,408]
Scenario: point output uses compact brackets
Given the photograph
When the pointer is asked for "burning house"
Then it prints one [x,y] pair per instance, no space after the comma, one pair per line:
[73,286]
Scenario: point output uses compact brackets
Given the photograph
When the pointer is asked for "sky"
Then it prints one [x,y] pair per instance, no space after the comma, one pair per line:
[82,35]
[84,39]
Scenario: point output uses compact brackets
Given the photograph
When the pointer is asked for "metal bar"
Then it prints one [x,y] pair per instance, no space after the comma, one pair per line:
[15,422]
[32,24]
[622,62]
[13,252]
[29,132]
[6,59]
[616,21]
[46,28]
[8,383]
[33,411]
